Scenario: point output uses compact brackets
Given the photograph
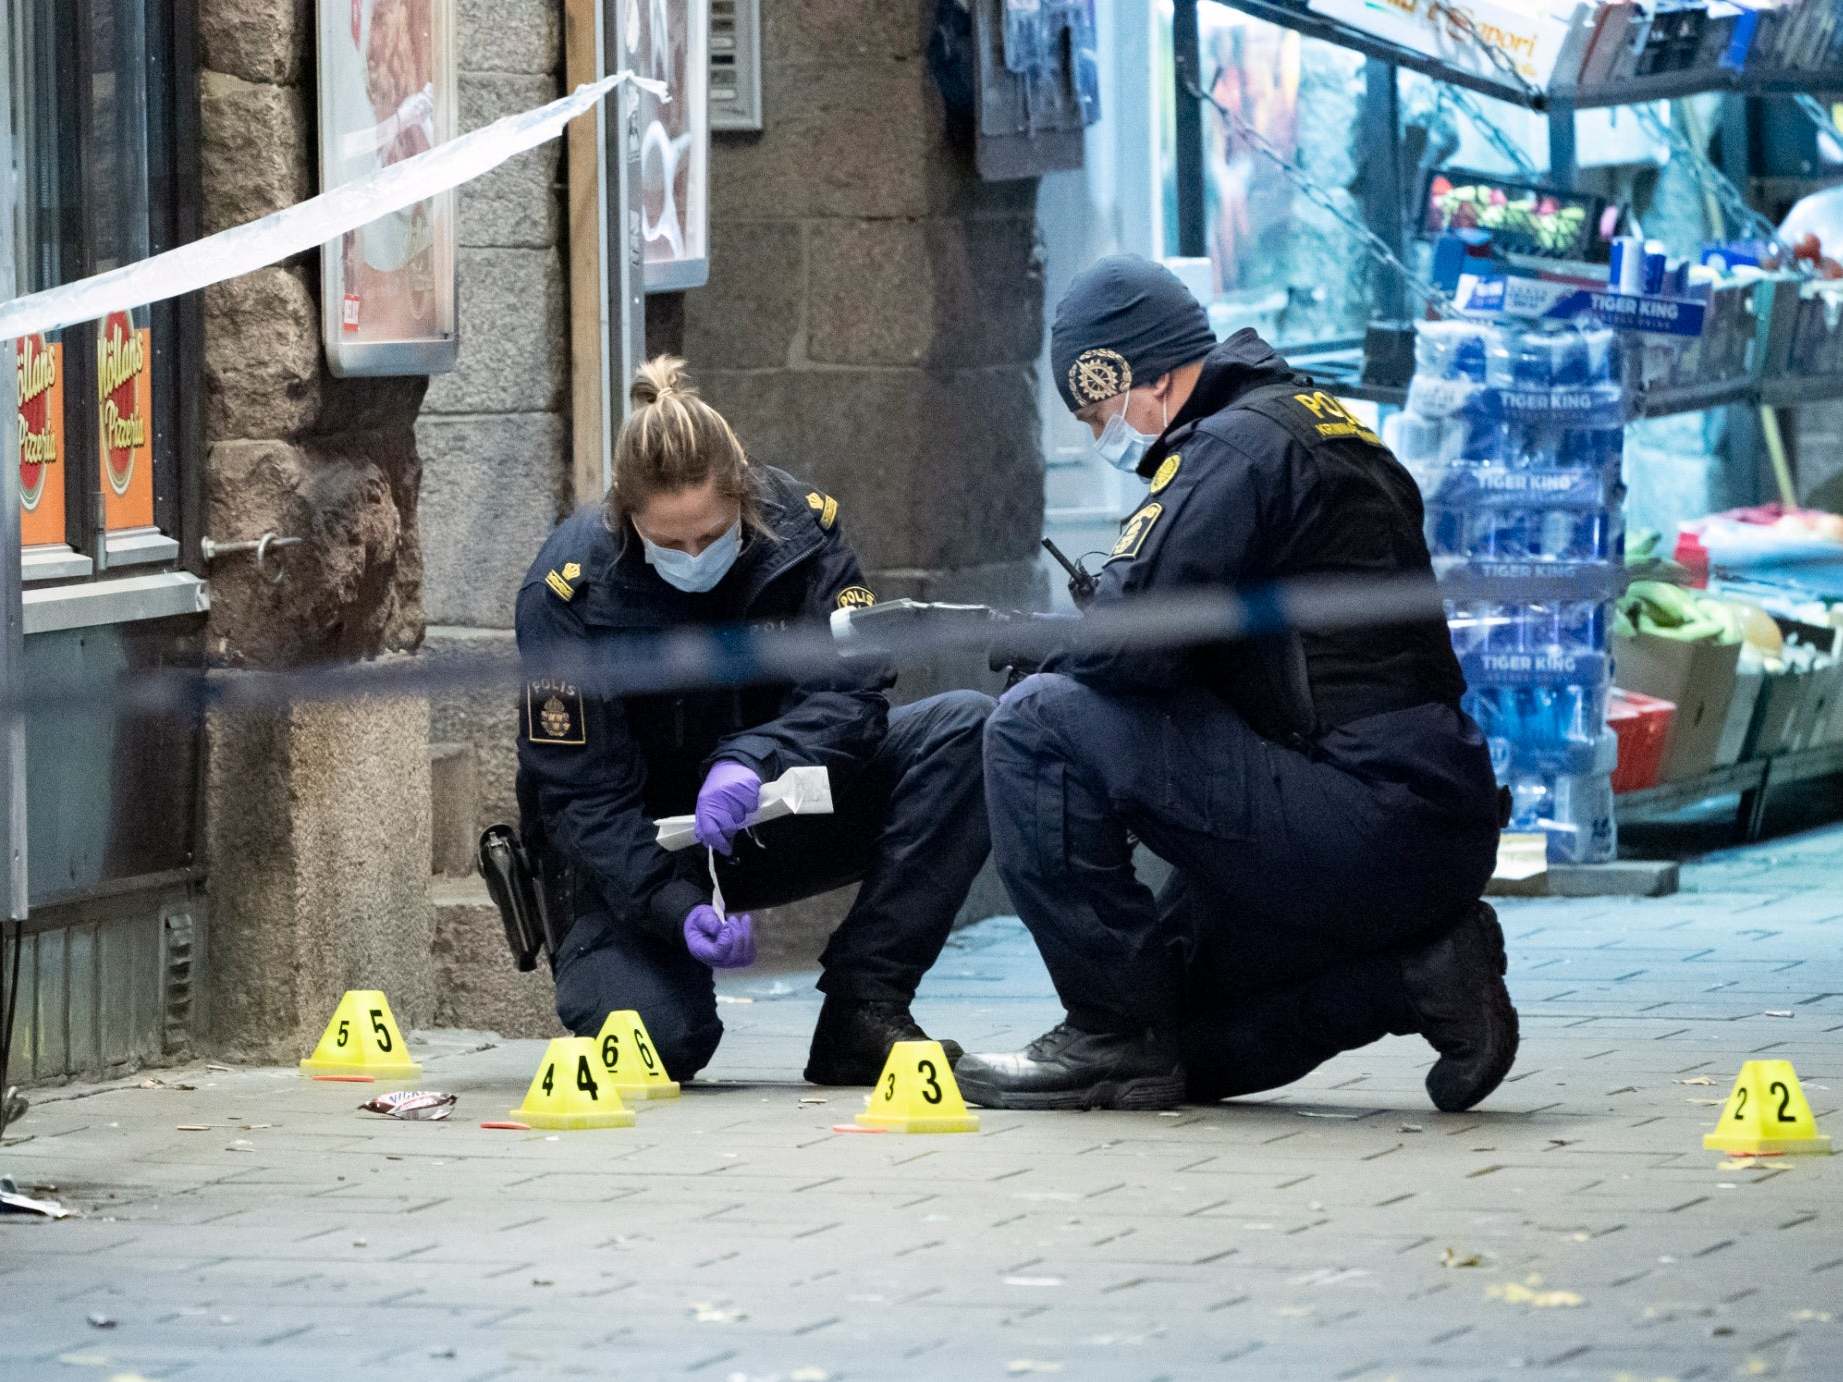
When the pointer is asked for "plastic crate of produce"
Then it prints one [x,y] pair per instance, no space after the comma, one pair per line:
[1642,724]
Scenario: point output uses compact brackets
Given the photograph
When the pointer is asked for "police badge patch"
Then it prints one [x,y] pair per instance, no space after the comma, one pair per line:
[856,597]
[553,713]
[1099,374]
[1133,535]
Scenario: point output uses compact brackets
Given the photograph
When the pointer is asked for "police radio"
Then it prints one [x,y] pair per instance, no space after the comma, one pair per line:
[1082,583]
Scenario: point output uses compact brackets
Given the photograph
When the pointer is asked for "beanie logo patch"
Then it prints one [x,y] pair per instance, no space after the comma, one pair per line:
[1099,374]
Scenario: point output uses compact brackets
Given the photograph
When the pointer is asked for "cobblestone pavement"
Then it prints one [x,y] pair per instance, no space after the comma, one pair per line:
[1321,1233]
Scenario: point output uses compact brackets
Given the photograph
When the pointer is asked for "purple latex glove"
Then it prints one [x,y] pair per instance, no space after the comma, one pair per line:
[717,942]
[729,794]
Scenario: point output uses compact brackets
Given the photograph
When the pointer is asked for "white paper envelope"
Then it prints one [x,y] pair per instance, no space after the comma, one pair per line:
[796,792]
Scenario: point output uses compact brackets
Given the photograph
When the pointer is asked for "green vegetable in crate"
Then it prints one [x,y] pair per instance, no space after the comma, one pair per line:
[1643,545]
[1733,626]
[1669,611]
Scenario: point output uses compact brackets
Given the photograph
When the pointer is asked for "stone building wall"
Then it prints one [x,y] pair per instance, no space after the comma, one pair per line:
[317,815]
[495,434]
[495,438]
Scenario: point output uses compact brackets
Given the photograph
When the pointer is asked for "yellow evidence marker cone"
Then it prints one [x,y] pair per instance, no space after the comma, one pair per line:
[629,1061]
[1766,1114]
[916,1093]
[569,1092]
[363,1039]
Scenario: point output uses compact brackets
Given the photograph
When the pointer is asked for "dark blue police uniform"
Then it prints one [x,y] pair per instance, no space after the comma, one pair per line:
[1322,797]
[596,771]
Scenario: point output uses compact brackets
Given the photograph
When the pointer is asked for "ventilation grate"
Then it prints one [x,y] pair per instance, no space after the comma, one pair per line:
[177,975]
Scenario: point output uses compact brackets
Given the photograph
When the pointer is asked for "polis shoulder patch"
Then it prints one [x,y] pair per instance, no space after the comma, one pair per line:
[1133,535]
[553,713]
[856,597]
[1167,472]
[824,507]
[1332,420]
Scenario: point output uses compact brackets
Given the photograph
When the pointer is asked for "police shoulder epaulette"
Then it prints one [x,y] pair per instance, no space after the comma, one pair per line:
[824,507]
[562,583]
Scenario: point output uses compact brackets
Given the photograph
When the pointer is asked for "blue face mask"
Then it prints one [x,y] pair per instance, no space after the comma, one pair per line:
[1123,445]
[695,575]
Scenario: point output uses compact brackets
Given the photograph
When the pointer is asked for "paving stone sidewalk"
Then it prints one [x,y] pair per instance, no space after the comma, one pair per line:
[1341,1229]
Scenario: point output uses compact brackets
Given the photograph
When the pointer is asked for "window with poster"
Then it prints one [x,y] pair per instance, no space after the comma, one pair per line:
[389,90]
[108,432]
[669,41]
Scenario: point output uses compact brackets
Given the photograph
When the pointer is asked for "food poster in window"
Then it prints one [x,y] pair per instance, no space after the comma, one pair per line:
[668,41]
[125,421]
[39,365]
[388,93]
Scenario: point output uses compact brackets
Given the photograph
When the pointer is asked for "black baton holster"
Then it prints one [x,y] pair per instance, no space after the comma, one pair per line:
[513,884]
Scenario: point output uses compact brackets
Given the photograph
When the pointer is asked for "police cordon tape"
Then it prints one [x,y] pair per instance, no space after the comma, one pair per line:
[275,237]
[701,656]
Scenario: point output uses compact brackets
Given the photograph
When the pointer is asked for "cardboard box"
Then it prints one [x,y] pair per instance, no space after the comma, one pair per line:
[1834,730]
[1733,741]
[1810,727]
[1780,698]
[1698,678]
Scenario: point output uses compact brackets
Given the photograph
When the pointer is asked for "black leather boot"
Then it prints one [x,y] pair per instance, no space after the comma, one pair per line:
[852,1040]
[1456,986]
[1069,1068]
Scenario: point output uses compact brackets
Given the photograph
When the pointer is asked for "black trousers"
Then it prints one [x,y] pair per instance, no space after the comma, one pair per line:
[910,826]
[1299,878]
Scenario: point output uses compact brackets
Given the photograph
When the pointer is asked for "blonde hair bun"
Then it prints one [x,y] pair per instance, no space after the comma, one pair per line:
[663,376]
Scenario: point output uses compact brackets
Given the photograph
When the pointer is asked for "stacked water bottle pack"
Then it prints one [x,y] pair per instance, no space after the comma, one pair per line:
[1515,435]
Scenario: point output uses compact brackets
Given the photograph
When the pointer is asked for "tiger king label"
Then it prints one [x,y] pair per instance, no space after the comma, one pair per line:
[124,394]
[39,370]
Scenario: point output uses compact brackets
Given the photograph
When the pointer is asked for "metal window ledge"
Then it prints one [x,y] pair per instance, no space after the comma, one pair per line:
[163,596]
[52,564]
[141,548]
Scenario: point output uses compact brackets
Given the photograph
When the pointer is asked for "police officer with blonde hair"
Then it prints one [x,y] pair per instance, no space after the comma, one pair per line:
[694,535]
[1328,809]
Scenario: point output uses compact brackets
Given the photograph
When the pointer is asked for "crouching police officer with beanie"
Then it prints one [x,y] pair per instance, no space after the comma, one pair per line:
[1329,810]
[693,534]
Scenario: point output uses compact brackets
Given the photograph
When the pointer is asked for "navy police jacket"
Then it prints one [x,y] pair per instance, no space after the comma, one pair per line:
[596,770]
[1264,477]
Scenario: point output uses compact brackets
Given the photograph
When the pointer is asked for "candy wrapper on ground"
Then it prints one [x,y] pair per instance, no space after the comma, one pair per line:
[418,1105]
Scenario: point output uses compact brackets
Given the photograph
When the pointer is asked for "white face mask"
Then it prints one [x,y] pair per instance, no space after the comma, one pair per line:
[695,575]
[1123,445]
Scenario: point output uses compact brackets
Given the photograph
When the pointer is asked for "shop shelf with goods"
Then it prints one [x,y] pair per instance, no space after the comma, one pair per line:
[1768,330]
[1587,56]
[1514,432]
[1747,643]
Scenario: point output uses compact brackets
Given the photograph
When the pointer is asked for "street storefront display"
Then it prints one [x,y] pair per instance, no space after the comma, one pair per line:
[1515,435]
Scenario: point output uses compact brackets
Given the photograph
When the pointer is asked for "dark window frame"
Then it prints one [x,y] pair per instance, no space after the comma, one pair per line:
[57,152]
